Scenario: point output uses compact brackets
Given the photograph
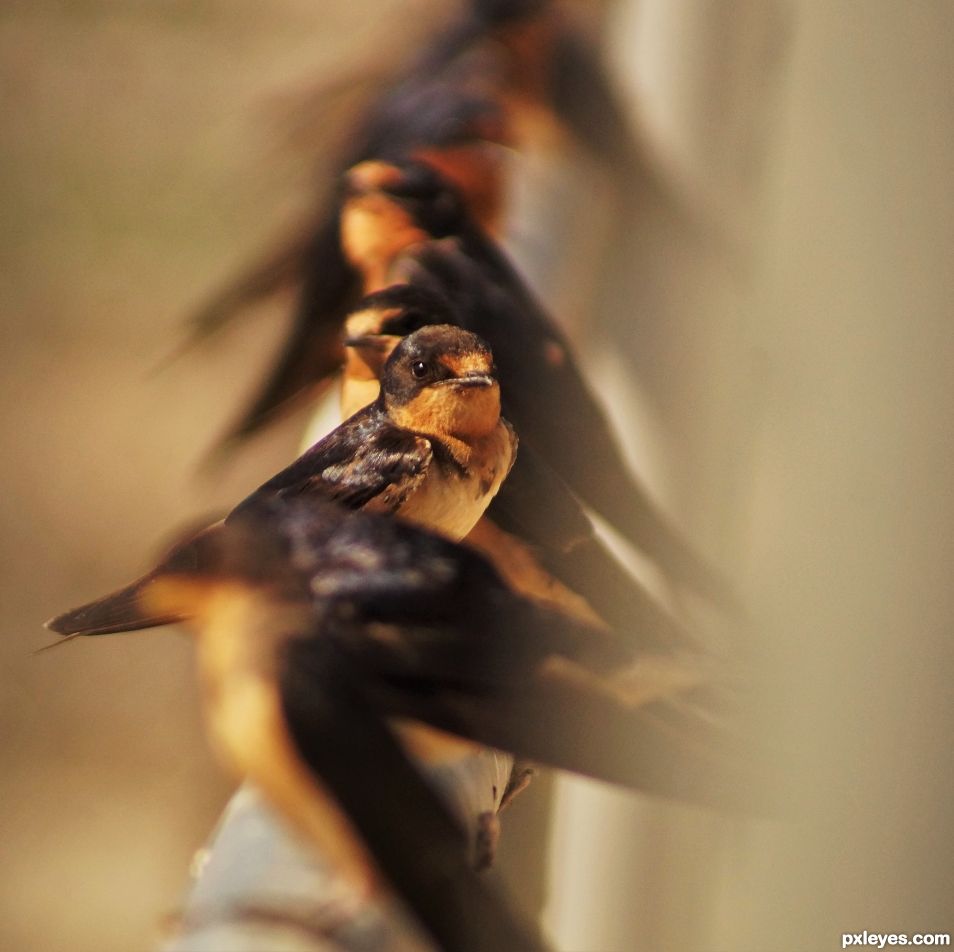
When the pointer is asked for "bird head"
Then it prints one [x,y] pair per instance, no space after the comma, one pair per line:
[389,206]
[441,381]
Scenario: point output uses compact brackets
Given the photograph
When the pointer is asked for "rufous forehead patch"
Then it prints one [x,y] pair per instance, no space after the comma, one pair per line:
[476,362]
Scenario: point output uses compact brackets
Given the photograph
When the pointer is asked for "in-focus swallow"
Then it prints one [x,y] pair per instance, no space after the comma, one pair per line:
[545,394]
[535,531]
[432,448]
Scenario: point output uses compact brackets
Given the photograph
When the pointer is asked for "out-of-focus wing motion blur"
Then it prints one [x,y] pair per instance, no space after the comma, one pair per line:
[316,623]
[434,634]
[307,735]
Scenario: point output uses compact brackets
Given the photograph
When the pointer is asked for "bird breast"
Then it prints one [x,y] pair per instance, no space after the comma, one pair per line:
[456,492]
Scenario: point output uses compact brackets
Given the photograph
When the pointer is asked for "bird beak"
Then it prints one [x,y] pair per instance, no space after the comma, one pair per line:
[474,380]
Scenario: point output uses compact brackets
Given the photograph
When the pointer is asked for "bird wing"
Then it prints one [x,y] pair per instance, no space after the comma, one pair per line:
[311,352]
[365,460]
[634,727]
[340,734]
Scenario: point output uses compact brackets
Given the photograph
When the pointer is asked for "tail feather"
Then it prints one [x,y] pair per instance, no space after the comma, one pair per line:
[123,610]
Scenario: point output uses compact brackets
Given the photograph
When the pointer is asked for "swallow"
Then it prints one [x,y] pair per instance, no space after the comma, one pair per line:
[432,632]
[432,448]
[309,739]
[460,134]
[535,531]
[464,142]
[317,626]
[558,415]
[494,79]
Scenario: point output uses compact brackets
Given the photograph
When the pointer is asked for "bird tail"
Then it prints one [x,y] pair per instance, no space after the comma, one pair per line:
[124,610]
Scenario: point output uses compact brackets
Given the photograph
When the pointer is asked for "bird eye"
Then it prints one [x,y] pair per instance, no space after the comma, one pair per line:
[419,369]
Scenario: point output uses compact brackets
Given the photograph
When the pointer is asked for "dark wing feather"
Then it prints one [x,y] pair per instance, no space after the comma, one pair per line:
[557,718]
[365,459]
[126,608]
[537,506]
[543,687]
[121,610]
[415,841]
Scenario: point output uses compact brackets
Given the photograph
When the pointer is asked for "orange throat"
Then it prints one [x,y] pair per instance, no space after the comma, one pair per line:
[374,231]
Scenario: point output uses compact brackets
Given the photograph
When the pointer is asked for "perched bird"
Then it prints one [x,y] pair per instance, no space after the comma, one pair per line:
[497,74]
[316,624]
[432,448]
[463,139]
[535,531]
[433,633]
[545,395]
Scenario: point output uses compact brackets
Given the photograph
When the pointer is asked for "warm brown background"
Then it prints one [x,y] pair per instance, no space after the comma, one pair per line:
[138,165]
[798,381]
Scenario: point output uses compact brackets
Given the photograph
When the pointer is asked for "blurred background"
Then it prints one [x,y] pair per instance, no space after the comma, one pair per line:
[778,355]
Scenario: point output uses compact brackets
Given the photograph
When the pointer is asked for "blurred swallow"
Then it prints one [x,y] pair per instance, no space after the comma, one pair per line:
[432,449]
[430,631]
[403,223]
[287,569]
[317,625]
[497,75]
[463,145]
[459,133]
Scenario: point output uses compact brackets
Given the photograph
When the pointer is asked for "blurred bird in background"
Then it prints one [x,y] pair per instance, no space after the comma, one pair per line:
[317,624]
[497,74]
[498,79]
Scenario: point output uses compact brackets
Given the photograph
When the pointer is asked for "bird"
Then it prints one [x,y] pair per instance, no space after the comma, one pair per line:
[535,531]
[432,448]
[498,73]
[545,393]
[463,139]
[317,625]
[493,80]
